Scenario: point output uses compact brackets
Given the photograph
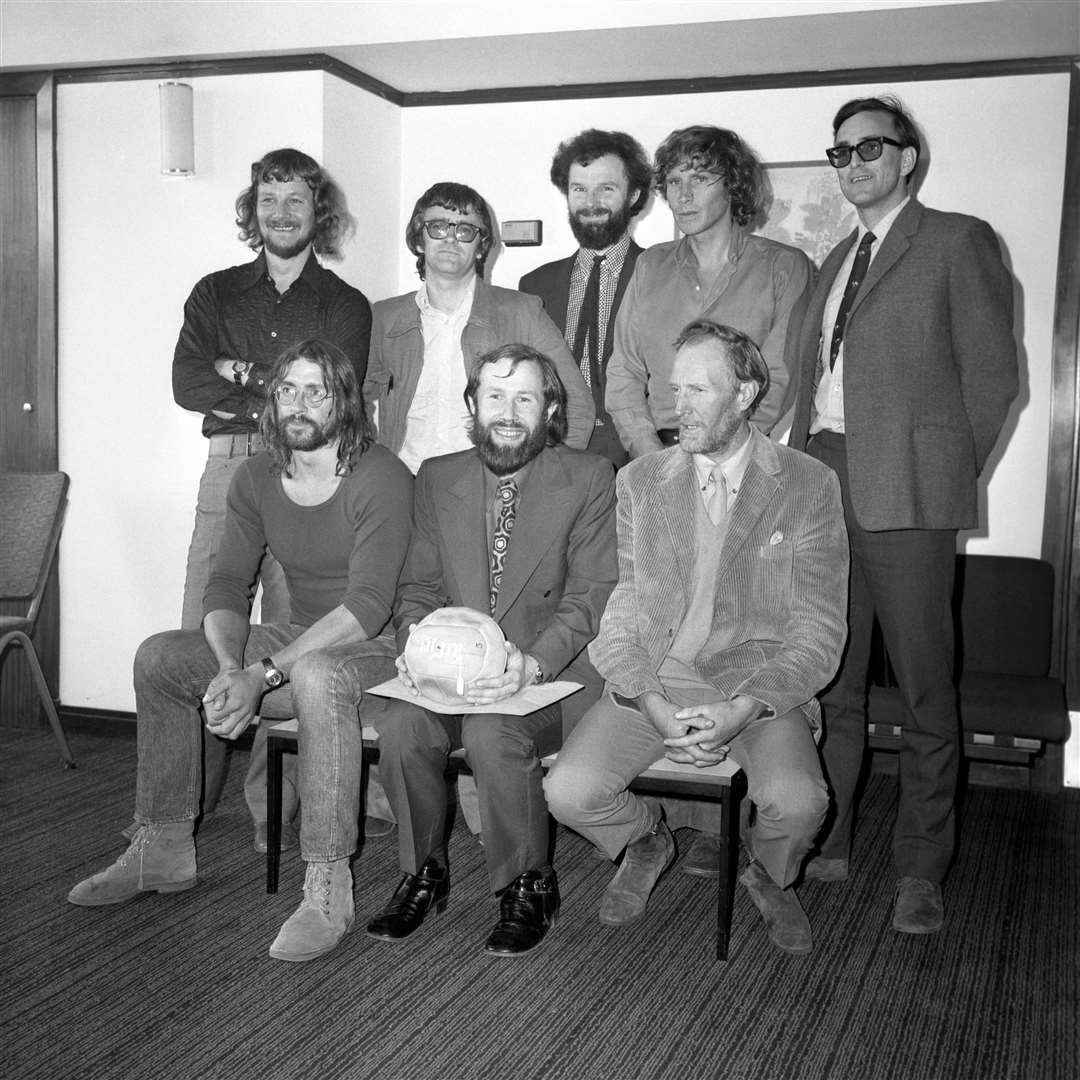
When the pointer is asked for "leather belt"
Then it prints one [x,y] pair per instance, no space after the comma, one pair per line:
[242,445]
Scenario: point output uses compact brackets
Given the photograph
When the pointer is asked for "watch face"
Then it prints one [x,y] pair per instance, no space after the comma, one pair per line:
[274,679]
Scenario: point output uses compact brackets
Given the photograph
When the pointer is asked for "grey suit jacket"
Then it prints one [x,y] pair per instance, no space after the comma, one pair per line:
[559,569]
[779,620]
[929,369]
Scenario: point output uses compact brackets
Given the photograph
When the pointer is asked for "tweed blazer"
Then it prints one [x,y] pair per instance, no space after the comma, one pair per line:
[560,566]
[778,625]
[498,317]
[551,282]
[930,369]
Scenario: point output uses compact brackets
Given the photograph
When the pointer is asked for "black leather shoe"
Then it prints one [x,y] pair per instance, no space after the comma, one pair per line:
[527,911]
[414,898]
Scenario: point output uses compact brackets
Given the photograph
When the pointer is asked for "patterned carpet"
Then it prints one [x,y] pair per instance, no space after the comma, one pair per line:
[181,986]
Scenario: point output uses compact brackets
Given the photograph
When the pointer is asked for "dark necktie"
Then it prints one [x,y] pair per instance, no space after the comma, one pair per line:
[588,335]
[858,272]
[505,510]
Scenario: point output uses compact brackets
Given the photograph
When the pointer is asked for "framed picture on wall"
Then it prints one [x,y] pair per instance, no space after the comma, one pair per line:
[807,208]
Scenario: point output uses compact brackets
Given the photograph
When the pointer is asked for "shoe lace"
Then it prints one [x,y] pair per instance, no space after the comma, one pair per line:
[143,838]
[317,882]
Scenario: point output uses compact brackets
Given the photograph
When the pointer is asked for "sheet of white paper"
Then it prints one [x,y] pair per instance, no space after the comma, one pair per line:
[520,704]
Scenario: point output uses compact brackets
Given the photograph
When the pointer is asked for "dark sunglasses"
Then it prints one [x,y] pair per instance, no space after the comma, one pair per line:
[867,149]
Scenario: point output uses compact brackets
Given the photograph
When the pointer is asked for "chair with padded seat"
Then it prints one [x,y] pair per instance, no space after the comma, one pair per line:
[32,509]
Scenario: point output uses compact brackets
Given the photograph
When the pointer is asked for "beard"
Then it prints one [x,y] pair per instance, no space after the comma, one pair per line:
[718,439]
[300,432]
[503,460]
[600,233]
[286,247]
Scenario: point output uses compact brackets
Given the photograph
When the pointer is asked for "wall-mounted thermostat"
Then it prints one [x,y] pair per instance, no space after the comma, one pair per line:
[522,233]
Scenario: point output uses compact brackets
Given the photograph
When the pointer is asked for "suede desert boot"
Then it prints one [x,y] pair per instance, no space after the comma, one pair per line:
[160,858]
[324,916]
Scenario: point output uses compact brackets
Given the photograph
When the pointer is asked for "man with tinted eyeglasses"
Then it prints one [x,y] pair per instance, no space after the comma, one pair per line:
[907,367]
[335,510]
[720,270]
[424,343]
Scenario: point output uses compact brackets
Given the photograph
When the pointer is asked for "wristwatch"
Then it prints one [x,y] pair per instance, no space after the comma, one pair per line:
[273,676]
[239,370]
[539,676]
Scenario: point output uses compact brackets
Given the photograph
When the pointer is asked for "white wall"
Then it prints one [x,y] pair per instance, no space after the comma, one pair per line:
[131,246]
[985,136]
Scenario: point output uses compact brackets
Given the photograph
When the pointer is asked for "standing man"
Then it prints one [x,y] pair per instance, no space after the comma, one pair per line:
[334,509]
[423,344]
[907,365]
[728,617]
[606,178]
[236,323]
[543,568]
[720,270]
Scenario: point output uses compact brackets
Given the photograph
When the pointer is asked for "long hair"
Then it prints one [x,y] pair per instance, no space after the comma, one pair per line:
[554,391]
[452,196]
[585,148]
[747,363]
[718,151]
[347,412]
[333,222]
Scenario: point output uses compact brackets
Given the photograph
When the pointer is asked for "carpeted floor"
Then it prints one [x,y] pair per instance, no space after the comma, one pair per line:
[182,987]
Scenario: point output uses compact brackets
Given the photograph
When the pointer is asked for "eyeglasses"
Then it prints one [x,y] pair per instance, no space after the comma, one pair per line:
[695,181]
[867,149]
[310,395]
[440,229]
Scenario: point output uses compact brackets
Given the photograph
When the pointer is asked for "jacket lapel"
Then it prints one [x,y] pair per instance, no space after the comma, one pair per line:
[544,502]
[460,507]
[760,485]
[677,491]
[893,248]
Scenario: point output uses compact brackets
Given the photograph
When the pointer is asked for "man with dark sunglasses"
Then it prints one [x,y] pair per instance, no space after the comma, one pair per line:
[907,368]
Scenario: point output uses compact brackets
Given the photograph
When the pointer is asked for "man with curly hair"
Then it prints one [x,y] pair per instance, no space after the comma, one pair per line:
[719,270]
[606,178]
[236,322]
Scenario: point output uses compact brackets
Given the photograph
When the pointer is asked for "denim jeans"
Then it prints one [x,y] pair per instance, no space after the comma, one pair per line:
[220,468]
[172,671]
[587,787]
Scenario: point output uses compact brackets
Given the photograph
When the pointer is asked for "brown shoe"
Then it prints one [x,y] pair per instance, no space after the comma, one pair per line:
[789,928]
[819,869]
[645,859]
[703,859]
[161,858]
[918,908]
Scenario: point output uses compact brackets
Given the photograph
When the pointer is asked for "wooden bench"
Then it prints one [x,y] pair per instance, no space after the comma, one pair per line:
[723,783]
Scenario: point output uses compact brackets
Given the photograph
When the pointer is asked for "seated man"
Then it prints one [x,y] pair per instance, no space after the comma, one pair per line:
[334,509]
[728,617]
[543,567]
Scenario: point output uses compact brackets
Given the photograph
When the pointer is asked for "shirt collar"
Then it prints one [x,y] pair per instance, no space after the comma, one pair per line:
[733,468]
[684,253]
[312,275]
[612,253]
[881,229]
[423,302]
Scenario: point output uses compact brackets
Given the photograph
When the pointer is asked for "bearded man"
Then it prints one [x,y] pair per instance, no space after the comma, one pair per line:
[542,568]
[334,509]
[236,322]
[605,177]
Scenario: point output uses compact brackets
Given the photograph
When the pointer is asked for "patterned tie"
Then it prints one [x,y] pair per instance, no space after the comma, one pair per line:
[588,334]
[858,272]
[716,500]
[505,511]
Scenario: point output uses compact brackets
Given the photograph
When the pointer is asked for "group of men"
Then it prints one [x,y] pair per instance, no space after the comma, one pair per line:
[707,595]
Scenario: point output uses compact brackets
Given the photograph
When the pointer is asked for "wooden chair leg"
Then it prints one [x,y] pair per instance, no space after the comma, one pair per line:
[274,749]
